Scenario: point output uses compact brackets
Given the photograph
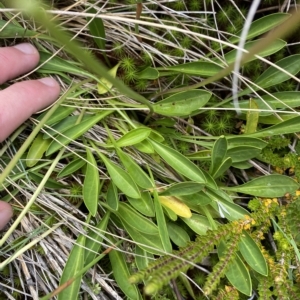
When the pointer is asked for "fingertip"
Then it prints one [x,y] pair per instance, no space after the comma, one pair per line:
[6,212]
[48,81]
[26,48]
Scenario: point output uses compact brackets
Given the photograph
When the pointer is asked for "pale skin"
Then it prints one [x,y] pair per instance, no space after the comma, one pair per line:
[22,99]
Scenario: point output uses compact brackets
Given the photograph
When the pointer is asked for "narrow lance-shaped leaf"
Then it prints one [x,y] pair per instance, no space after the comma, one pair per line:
[161,223]
[149,242]
[197,68]
[91,184]
[121,179]
[273,75]
[237,273]
[267,103]
[262,25]
[286,127]
[144,205]
[179,162]
[224,166]
[199,224]
[269,50]
[74,264]
[57,64]
[97,30]
[252,254]
[183,103]
[72,167]
[121,275]
[95,238]
[218,154]
[37,150]
[142,258]
[182,188]
[112,198]
[128,214]
[178,235]
[76,131]
[60,113]
[133,137]
[267,186]
[134,170]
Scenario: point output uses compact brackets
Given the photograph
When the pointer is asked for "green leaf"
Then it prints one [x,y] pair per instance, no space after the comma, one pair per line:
[199,198]
[76,131]
[179,162]
[237,273]
[183,103]
[94,239]
[60,114]
[267,51]
[252,117]
[55,64]
[279,100]
[199,224]
[182,188]
[197,68]
[144,204]
[71,167]
[148,73]
[262,25]
[252,254]
[226,209]
[210,181]
[161,223]
[237,141]
[133,137]
[73,265]
[36,150]
[149,242]
[224,166]
[145,146]
[97,30]
[121,274]
[267,186]
[218,154]
[91,184]
[243,153]
[273,76]
[50,184]
[121,179]
[112,198]
[178,235]
[170,213]
[273,119]
[105,85]
[142,258]
[128,214]
[9,30]
[285,127]
[59,128]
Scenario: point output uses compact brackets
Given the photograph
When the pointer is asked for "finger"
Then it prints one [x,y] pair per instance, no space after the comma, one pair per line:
[17,60]
[6,213]
[19,101]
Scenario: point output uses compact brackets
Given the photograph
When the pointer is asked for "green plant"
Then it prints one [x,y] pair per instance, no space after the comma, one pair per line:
[150,181]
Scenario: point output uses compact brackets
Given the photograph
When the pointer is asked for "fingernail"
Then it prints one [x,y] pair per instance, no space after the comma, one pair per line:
[26,48]
[48,81]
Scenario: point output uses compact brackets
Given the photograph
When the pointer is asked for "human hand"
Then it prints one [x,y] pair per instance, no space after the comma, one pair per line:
[20,100]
